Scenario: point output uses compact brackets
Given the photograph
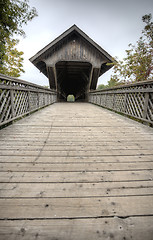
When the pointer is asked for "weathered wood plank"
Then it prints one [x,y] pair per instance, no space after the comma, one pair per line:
[77,139]
[57,190]
[78,133]
[75,167]
[137,228]
[80,177]
[77,159]
[78,147]
[55,208]
[42,152]
[73,129]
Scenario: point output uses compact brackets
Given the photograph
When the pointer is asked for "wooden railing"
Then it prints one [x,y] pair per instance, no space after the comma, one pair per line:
[134,100]
[18,98]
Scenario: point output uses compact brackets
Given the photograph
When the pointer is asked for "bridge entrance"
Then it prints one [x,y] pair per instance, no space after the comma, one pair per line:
[72,78]
[73,62]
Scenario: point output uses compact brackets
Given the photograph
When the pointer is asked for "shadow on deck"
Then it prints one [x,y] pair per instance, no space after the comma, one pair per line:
[76,171]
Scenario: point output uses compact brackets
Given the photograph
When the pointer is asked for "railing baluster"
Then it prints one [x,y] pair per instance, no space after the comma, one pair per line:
[135,100]
[125,102]
[29,105]
[12,103]
[18,98]
[145,105]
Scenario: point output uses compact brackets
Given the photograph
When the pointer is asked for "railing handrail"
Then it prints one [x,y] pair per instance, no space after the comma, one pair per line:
[142,83]
[26,83]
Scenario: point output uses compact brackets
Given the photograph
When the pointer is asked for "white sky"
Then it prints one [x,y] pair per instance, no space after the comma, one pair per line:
[113,24]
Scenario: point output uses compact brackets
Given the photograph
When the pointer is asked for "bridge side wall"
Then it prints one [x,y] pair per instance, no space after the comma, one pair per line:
[135,100]
[18,98]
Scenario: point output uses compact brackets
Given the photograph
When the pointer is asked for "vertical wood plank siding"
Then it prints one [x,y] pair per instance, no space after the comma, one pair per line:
[74,49]
[18,98]
[134,100]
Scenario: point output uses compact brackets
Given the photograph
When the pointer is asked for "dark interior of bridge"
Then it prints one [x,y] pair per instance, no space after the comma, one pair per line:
[73,78]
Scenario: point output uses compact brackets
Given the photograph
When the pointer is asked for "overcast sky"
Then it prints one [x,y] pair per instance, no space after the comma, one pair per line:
[113,24]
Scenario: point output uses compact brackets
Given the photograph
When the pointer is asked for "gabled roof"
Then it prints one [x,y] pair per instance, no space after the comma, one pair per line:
[72,29]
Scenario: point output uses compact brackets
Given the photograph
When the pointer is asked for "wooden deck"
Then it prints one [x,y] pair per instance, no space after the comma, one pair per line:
[75,171]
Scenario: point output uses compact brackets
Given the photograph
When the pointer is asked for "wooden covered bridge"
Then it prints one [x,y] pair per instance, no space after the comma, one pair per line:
[72,62]
[75,170]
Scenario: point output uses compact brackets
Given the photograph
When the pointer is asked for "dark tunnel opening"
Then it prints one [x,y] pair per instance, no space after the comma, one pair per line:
[73,78]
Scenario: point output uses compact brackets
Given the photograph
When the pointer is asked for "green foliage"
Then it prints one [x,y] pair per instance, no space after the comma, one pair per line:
[13,15]
[12,59]
[138,63]
[70,98]
[101,86]
[46,86]
[113,82]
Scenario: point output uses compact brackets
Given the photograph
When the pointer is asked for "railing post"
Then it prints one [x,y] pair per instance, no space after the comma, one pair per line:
[44,99]
[145,105]
[38,100]
[48,98]
[100,99]
[125,103]
[29,105]
[97,99]
[12,102]
[113,106]
[105,99]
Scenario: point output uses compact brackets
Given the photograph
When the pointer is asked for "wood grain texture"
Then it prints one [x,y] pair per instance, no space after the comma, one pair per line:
[134,100]
[19,98]
[76,171]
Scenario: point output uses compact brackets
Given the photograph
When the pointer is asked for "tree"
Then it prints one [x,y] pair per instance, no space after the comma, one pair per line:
[13,15]
[101,86]
[12,59]
[138,64]
[113,82]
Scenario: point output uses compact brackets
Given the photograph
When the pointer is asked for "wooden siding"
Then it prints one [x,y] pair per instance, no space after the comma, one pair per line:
[73,46]
[74,49]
